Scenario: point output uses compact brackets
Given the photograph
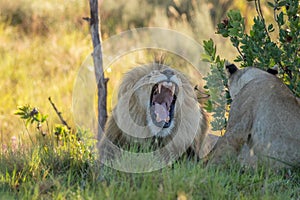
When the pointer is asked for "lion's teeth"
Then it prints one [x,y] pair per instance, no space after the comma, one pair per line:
[171,86]
[168,119]
[167,84]
[159,88]
[173,89]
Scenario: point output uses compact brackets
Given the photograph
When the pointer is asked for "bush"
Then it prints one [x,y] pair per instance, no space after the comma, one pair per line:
[265,46]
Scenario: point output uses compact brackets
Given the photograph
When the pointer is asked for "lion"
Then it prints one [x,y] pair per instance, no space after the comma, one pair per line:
[156,107]
[264,121]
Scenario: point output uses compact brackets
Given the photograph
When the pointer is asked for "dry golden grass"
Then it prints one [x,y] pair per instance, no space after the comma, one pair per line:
[43,45]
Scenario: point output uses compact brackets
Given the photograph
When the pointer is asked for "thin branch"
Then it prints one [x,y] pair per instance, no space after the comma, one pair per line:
[87,19]
[59,114]
[26,128]
[260,14]
[240,52]
[276,18]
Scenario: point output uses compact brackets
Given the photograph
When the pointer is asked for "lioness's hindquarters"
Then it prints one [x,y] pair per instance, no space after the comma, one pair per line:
[264,118]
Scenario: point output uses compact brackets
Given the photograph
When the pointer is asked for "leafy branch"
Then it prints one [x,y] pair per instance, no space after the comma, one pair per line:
[256,48]
[32,116]
[216,82]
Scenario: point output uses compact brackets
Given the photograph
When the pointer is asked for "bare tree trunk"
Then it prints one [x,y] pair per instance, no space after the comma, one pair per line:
[98,65]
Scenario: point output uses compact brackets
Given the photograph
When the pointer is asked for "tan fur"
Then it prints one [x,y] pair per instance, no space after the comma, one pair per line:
[264,121]
[129,125]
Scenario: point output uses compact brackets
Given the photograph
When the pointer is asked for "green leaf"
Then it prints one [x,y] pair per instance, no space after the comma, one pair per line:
[271,4]
[44,118]
[206,58]
[271,28]
[19,113]
[280,20]
[282,3]
[210,50]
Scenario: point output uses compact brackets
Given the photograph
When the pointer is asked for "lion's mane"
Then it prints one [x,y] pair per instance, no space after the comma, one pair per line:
[130,123]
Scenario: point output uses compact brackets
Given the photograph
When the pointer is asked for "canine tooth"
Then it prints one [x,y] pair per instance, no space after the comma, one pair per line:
[159,88]
[173,89]
[168,119]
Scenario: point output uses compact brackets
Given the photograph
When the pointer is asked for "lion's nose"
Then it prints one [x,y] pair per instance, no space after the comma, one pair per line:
[168,73]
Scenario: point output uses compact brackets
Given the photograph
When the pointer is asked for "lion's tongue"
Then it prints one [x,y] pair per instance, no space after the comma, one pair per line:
[161,112]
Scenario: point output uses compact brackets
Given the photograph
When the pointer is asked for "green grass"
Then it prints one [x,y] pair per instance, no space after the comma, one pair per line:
[65,165]
[52,173]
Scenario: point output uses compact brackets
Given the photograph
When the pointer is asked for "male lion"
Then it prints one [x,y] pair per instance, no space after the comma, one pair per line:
[264,120]
[156,108]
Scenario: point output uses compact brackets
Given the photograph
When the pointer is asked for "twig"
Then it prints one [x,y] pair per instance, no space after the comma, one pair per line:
[238,49]
[240,52]
[59,114]
[26,128]
[260,14]
[87,19]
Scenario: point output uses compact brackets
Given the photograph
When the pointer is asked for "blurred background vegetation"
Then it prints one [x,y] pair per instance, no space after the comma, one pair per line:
[43,44]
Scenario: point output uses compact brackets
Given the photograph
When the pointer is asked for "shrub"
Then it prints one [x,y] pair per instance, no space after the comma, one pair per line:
[265,46]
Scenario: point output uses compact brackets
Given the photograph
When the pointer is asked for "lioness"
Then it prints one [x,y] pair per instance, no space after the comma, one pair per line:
[264,120]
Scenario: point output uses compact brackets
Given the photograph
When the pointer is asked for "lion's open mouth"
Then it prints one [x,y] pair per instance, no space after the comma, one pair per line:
[162,103]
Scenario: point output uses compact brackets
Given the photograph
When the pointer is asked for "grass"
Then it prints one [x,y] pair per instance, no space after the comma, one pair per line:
[64,165]
[42,46]
[42,172]
[38,60]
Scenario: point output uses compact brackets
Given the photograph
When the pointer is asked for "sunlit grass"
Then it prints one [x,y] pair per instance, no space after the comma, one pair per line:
[39,57]
[42,47]
[45,173]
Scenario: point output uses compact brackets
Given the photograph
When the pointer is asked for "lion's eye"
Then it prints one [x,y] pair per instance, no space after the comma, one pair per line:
[155,72]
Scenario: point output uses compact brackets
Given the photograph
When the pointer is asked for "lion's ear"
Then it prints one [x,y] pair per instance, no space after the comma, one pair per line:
[231,68]
[273,70]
